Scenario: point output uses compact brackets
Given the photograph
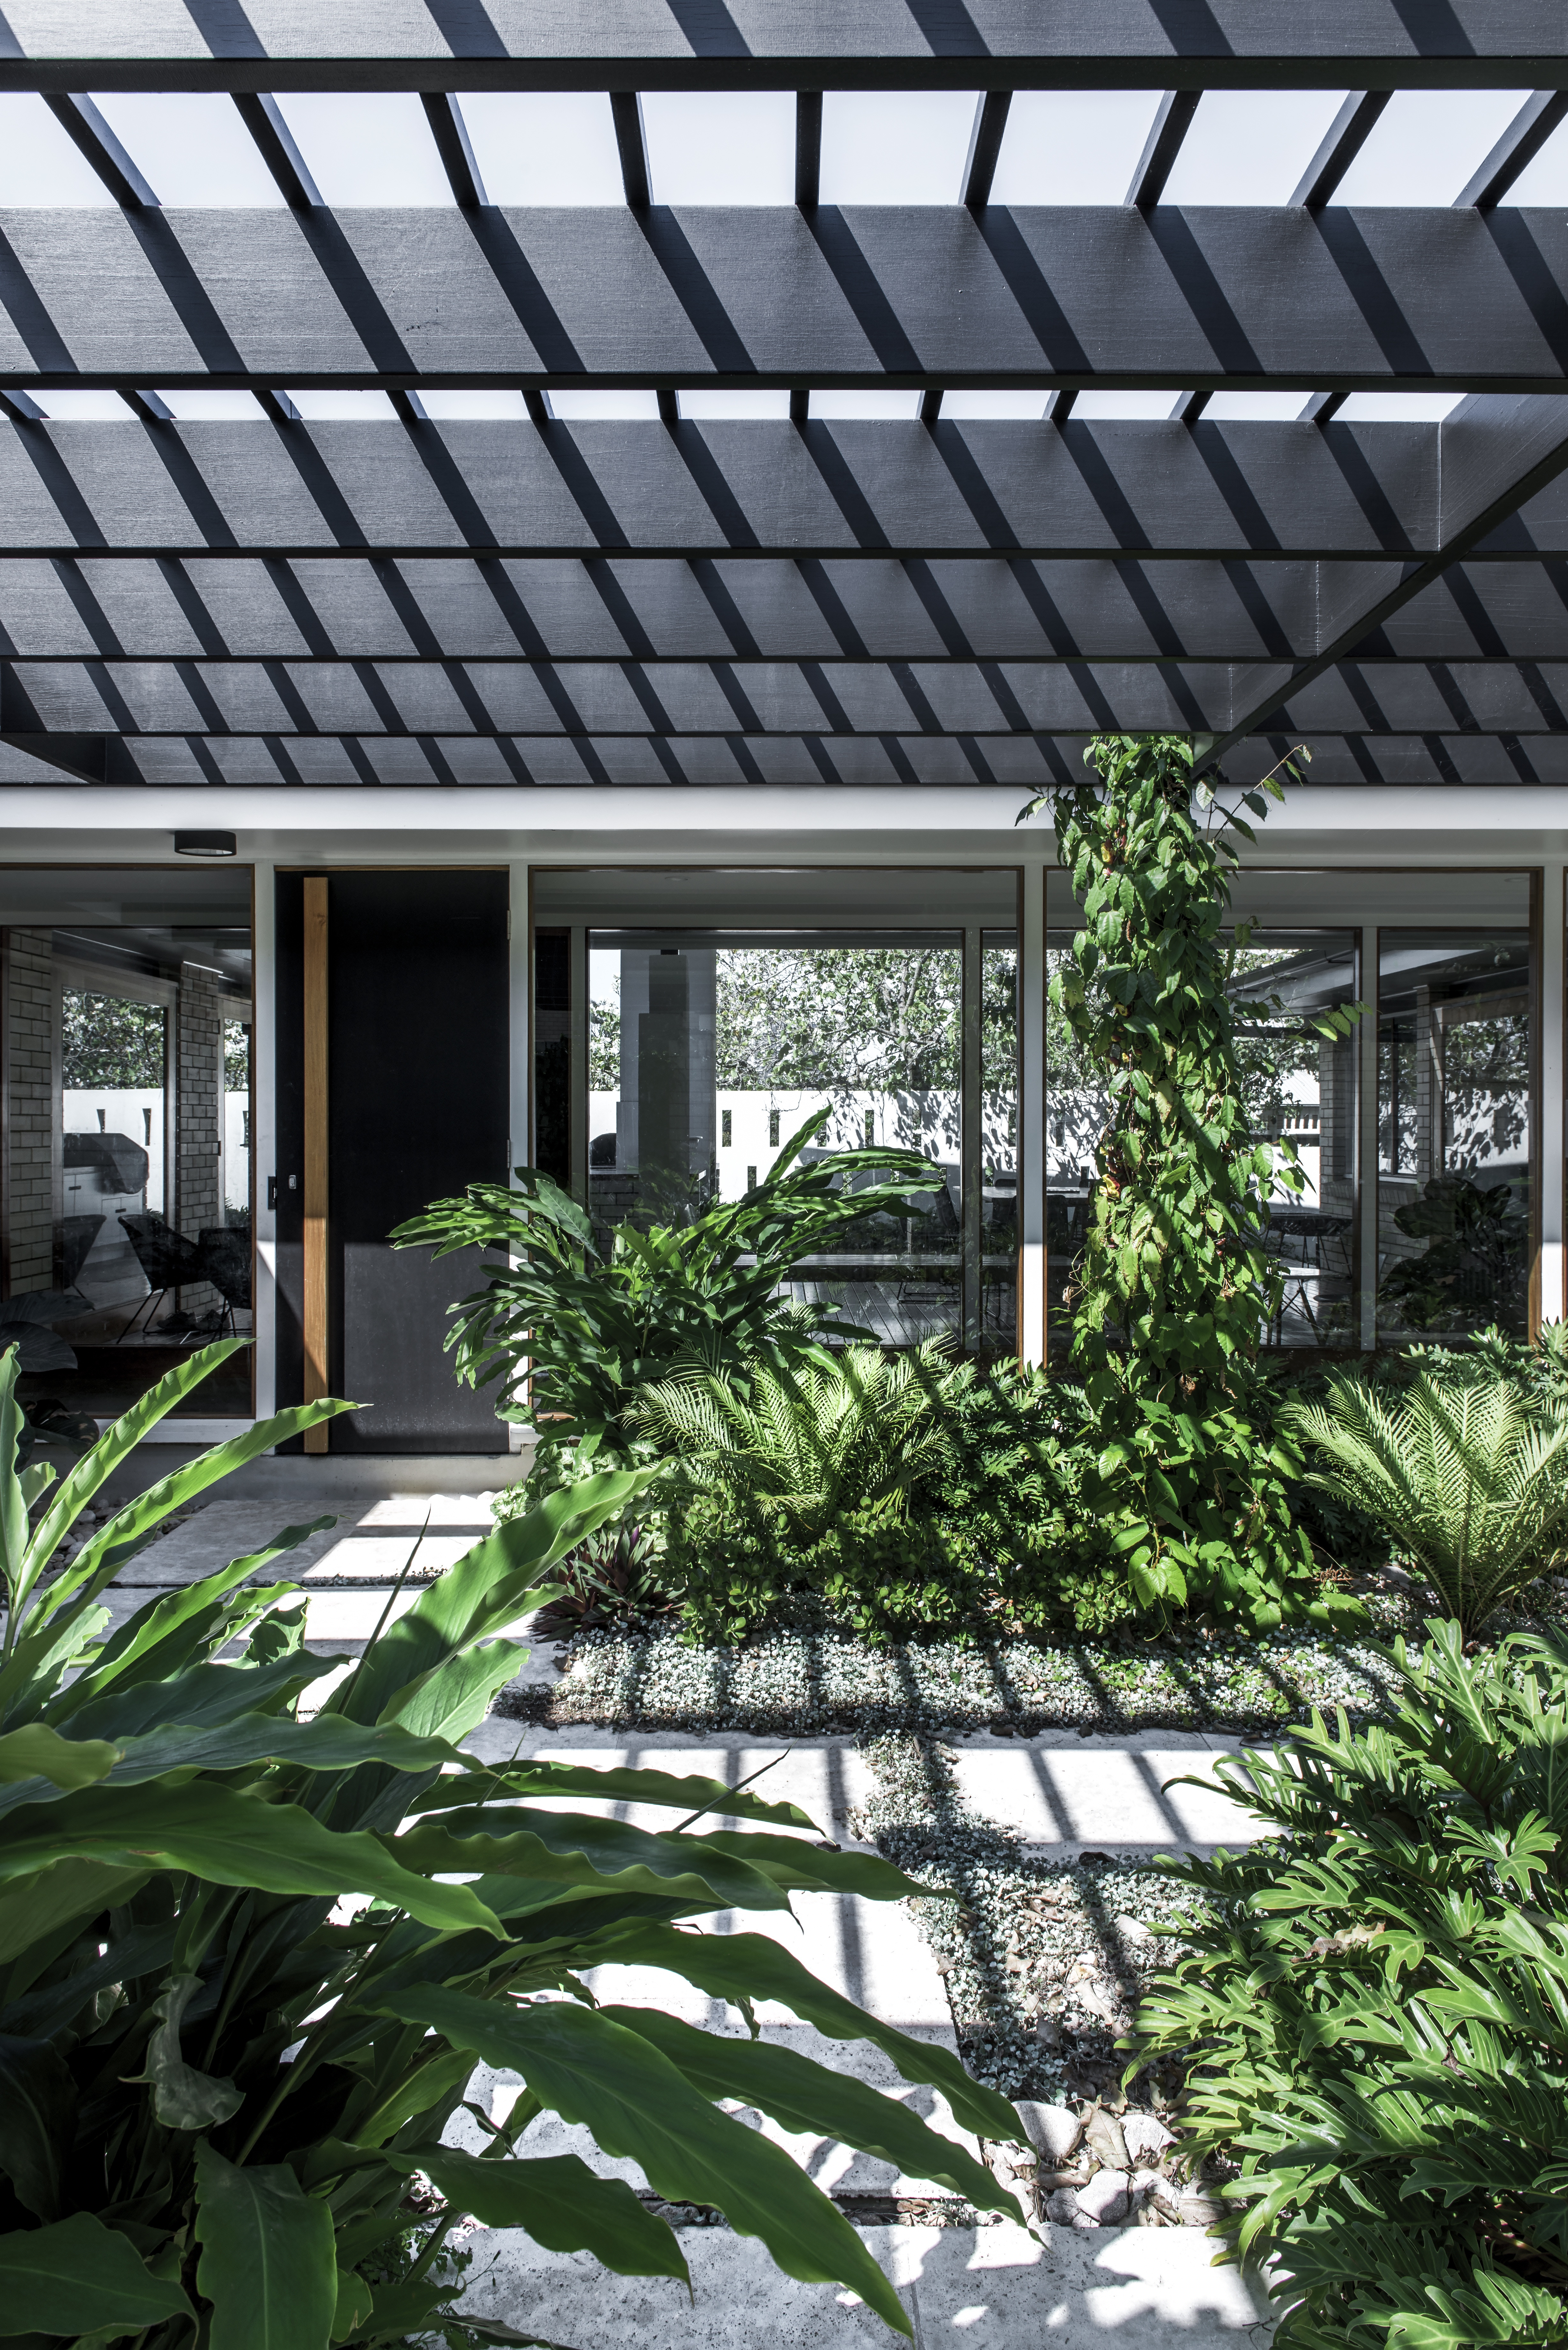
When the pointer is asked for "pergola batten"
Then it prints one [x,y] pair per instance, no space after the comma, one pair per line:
[1053,296]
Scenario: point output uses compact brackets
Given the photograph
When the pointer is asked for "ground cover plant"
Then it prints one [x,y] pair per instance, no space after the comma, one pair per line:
[1378,2005]
[1174,1283]
[249,1960]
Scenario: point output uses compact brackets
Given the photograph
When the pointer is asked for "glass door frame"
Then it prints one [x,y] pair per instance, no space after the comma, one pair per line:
[973,937]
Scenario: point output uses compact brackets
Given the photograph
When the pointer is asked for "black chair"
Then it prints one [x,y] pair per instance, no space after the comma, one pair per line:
[168,1261]
[226,1263]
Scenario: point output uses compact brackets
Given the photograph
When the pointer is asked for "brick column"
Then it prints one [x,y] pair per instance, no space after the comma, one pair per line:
[198,1111]
[33,1173]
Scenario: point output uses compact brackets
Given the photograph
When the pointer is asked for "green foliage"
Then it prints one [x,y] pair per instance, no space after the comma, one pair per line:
[1462,1470]
[1175,1284]
[107,1041]
[801,1446]
[248,1961]
[1476,1255]
[988,1537]
[587,1325]
[1375,2007]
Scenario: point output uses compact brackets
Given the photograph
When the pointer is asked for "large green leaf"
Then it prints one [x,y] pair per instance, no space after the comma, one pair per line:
[33,1907]
[560,2203]
[203,1697]
[708,1797]
[269,2265]
[351,2313]
[809,1869]
[753,1967]
[563,1847]
[640,2107]
[37,2121]
[484,1591]
[36,1751]
[454,1695]
[229,1839]
[78,2277]
[141,1650]
[804,2095]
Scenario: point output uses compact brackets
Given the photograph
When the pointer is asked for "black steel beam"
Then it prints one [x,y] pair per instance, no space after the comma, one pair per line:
[1161,491]
[1172,122]
[783,44]
[1207,298]
[1341,143]
[985,146]
[1520,143]
[387,763]
[808,148]
[631,140]
[85,126]
[756,700]
[1511,459]
[444,114]
[264,118]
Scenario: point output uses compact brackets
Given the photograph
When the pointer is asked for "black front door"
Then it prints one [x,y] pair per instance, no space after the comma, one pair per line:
[417,1106]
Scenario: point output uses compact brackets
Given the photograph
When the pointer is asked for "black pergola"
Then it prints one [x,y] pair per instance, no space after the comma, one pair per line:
[535,601]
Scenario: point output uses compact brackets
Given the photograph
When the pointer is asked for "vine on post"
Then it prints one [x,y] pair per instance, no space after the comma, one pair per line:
[1174,1285]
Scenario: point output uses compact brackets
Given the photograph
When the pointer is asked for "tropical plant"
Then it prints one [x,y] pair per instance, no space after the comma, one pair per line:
[1373,2013]
[1464,1474]
[1175,1284]
[248,1961]
[586,1326]
[805,1445]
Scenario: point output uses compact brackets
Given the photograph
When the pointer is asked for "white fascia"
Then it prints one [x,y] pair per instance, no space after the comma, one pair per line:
[1374,823]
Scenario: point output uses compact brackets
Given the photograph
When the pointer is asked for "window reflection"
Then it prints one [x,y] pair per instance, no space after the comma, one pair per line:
[126,1040]
[1453,1132]
[707,1051]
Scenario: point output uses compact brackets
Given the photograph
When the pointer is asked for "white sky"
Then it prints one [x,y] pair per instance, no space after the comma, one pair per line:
[738,148]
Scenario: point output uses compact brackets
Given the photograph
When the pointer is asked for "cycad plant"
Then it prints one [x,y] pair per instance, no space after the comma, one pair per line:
[1373,2013]
[1465,1473]
[809,1444]
[249,1960]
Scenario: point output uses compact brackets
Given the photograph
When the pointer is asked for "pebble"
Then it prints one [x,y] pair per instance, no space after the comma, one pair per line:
[1106,2199]
[1055,2129]
[1146,2137]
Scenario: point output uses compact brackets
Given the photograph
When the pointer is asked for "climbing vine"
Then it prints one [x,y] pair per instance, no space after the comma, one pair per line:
[1175,1286]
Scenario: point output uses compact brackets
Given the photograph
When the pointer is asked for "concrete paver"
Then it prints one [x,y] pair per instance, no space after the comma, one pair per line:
[993,2288]
[1061,1801]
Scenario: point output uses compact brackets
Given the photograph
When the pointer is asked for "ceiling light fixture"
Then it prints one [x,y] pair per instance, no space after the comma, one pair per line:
[206,844]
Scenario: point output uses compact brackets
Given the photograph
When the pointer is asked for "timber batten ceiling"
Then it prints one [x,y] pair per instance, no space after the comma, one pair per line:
[419,601]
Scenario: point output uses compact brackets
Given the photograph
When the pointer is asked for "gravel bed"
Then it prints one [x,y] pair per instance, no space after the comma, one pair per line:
[1044,1962]
[807,1684]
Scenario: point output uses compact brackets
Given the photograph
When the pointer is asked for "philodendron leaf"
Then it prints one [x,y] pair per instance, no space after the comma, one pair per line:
[268,2265]
[640,2107]
[37,2120]
[753,1967]
[79,2277]
[804,2095]
[558,2201]
[36,1751]
[182,2098]
[227,1838]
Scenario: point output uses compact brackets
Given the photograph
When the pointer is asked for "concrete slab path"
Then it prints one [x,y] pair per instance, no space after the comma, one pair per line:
[995,2287]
